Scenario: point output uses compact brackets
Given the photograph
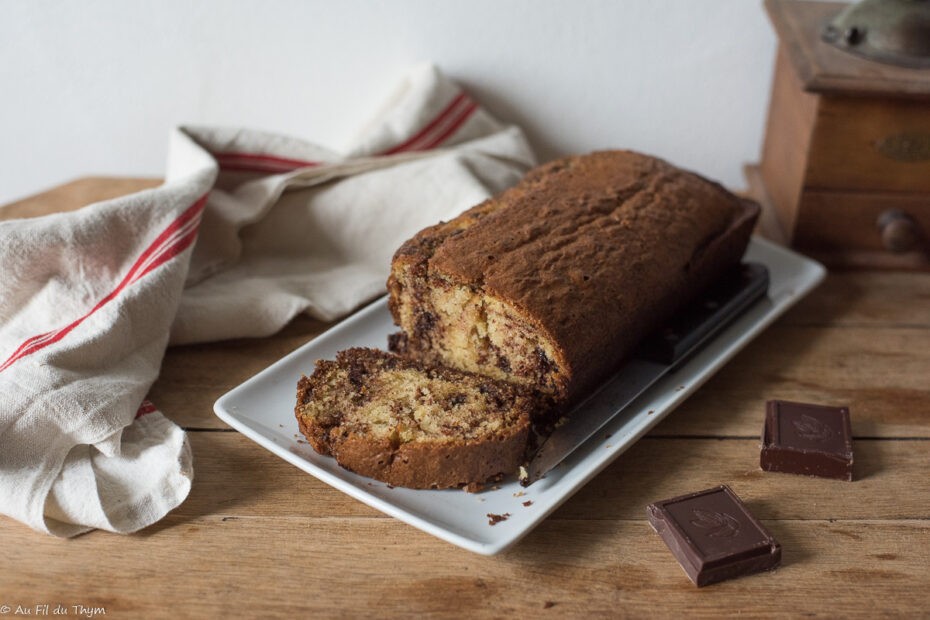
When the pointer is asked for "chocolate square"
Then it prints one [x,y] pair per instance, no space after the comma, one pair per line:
[713,535]
[812,440]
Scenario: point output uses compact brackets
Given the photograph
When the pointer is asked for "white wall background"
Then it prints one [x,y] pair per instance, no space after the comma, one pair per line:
[93,86]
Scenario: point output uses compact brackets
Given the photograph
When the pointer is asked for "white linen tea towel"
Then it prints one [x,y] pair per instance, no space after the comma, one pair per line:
[248,230]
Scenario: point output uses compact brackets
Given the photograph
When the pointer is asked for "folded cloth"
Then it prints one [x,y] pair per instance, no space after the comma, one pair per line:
[248,230]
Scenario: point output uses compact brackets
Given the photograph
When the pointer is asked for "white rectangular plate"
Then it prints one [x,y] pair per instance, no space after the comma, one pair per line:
[262,409]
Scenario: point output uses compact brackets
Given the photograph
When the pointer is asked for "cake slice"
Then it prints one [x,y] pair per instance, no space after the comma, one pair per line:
[553,283]
[410,424]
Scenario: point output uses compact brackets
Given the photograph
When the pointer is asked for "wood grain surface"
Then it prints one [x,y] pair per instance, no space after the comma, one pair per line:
[259,538]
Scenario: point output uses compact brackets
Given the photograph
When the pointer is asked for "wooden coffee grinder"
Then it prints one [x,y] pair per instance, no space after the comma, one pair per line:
[845,170]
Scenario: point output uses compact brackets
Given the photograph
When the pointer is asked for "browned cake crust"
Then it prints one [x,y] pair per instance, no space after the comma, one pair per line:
[555,281]
[411,425]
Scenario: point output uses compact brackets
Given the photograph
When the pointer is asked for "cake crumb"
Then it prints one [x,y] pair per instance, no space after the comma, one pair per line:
[390,486]
[494,519]
[519,494]
[528,503]
[473,487]
[651,411]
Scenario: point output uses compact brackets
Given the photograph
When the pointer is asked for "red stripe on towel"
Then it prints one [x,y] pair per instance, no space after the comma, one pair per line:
[255,162]
[431,135]
[452,126]
[426,133]
[146,408]
[174,239]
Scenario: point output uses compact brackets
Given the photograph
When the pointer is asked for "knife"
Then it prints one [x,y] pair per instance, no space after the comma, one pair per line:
[659,354]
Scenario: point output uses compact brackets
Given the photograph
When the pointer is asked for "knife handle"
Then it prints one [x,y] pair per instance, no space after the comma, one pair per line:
[693,325]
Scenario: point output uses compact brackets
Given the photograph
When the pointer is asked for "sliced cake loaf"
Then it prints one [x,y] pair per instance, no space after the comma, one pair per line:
[534,297]
[552,283]
[412,425]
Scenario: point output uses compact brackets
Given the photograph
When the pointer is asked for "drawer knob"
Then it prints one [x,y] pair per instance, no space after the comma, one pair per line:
[900,232]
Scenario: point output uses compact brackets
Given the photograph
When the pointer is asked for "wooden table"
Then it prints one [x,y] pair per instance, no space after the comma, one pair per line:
[259,538]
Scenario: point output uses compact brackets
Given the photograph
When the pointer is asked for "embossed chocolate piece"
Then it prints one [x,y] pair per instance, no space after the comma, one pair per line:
[812,440]
[713,535]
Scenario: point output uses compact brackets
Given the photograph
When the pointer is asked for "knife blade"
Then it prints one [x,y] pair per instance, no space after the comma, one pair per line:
[659,354]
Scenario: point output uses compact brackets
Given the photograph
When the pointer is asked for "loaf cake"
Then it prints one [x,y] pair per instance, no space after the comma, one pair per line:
[515,310]
[551,284]
[410,424]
